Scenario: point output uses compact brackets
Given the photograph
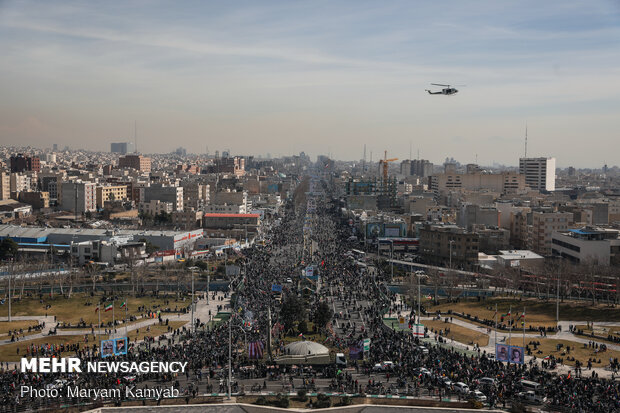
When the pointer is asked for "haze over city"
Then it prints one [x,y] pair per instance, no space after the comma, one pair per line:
[320,77]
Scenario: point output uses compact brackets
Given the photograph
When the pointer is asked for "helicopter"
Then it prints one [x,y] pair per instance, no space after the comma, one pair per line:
[446,91]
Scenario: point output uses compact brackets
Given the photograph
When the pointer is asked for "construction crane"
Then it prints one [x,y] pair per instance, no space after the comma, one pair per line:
[384,164]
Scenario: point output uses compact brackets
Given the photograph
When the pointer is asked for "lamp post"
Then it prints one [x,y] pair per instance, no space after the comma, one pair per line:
[230,354]
[557,299]
[392,257]
[193,322]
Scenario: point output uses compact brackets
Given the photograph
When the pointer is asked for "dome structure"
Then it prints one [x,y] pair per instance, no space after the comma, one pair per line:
[305,348]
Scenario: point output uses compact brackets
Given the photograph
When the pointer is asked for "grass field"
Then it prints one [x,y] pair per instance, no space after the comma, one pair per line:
[9,351]
[600,330]
[548,348]
[5,326]
[155,330]
[458,333]
[72,310]
[538,312]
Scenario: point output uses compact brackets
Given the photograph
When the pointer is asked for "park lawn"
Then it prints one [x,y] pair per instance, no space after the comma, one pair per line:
[458,333]
[6,326]
[72,310]
[548,348]
[600,330]
[538,312]
[9,352]
[155,330]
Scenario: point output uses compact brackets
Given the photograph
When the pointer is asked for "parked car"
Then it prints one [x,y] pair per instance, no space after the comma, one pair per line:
[531,397]
[478,396]
[487,381]
[423,349]
[446,381]
[461,387]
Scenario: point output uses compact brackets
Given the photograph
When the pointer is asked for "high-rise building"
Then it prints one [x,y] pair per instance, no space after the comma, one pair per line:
[421,168]
[21,163]
[137,162]
[123,147]
[539,173]
[416,167]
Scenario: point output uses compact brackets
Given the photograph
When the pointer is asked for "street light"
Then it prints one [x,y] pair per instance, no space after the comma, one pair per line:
[392,256]
[193,322]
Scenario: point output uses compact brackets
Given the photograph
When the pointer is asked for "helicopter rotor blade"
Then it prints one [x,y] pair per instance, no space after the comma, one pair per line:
[439,84]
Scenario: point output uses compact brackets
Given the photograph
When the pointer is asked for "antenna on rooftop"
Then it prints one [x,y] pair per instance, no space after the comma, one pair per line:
[525,140]
[135,135]
[364,163]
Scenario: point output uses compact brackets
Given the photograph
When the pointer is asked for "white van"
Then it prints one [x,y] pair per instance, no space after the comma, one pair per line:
[530,385]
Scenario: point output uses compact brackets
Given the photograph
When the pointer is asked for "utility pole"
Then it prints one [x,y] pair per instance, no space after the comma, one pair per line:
[392,257]
[10,276]
[269,332]
[193,323]
[230,354]
[208,282]
[417,327]
[557,299]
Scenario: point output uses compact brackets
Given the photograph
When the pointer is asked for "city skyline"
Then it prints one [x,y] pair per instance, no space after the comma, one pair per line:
[319,77]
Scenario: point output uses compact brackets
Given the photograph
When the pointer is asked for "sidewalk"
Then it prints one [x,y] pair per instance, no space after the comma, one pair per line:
[201,312]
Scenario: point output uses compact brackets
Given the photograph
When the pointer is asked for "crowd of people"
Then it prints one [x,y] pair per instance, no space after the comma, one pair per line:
[362,297]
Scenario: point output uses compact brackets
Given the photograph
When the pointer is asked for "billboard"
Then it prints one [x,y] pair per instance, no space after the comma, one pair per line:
[417,330]
[114,347]
[394,230]
[509,354]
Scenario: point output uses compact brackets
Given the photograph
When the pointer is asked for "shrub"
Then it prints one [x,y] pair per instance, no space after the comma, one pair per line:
[322,401]
[302,395]
[345,401]
[282,401]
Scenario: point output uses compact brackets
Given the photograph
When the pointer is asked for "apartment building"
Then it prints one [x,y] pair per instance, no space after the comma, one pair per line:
[78,197]
[5,186]
[172,194]
[542,228]
[110,193]
[507,182]
[440,242]
[137,162]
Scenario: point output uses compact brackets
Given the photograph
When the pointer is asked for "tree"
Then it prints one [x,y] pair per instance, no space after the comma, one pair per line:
[292,310]
[302,327]
[8,249]
[322,315]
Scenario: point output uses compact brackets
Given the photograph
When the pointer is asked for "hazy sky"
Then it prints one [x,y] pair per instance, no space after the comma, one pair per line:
[282,77]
